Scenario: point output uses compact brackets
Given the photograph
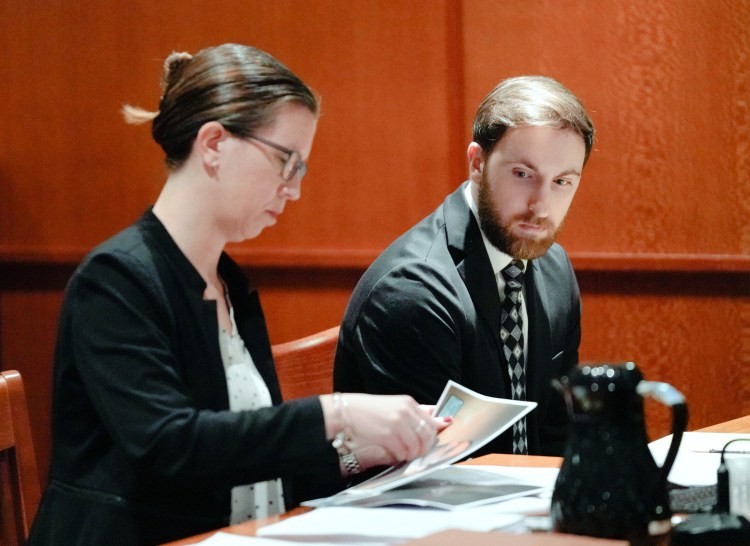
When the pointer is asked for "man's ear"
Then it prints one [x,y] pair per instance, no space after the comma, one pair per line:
[475,155]
[207,143]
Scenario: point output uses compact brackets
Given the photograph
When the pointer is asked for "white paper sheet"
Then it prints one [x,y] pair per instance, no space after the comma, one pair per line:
[347,524]
[228,539]
[541,476]
[698,458]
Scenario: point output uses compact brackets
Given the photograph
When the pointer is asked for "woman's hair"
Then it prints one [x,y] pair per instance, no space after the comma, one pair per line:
[238,86]
[530,100]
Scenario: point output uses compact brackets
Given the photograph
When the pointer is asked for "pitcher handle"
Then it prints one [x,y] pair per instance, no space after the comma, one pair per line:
[669,396]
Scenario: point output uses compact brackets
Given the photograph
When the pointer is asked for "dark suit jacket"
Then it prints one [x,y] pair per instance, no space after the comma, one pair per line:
[145,449]
[428,310]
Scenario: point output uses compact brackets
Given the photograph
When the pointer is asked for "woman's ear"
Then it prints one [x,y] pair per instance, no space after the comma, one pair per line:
[475,156]
[207,145]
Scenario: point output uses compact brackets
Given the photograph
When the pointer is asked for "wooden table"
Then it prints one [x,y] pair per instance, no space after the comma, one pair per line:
[249,528]
[735,425]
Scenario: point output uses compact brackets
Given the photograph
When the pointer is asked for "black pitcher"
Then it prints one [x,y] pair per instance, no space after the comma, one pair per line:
[609,485]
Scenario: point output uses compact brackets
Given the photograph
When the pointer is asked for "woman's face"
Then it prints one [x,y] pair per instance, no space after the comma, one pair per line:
[254,192]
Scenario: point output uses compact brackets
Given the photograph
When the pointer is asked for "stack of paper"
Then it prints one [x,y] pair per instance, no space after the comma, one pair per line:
[394,525]
[460,487]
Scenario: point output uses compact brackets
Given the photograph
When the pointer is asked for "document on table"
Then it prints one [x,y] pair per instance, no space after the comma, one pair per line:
[386,526]
[476,419]
[698,458]
[228,539]
[453,488]
[345,524]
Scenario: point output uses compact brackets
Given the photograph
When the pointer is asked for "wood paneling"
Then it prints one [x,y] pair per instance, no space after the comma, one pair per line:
[659,232]
[27,340]
[383,156]
[689,330]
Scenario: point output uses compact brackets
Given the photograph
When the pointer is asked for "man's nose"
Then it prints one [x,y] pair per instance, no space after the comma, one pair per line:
[539,201]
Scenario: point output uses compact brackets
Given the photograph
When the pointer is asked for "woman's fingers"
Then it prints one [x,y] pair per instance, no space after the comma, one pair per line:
[390,428]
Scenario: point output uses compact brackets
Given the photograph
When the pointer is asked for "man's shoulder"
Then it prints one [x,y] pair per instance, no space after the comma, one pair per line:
[416,267]
[428,240]
[555,268]
[420,252]
[555,257]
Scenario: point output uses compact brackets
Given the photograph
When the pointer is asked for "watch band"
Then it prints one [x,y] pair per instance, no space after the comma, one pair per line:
[347,457]
[351,463]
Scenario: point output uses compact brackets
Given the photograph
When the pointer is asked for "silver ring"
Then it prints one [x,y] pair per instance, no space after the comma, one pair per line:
[420,425]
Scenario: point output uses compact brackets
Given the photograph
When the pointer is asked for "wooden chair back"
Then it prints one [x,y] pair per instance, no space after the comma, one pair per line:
[305,365]
[19,476]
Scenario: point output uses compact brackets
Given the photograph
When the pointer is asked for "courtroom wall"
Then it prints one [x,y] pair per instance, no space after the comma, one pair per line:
[659,232]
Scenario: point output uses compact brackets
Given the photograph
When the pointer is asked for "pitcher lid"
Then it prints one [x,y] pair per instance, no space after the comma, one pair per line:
[604,388]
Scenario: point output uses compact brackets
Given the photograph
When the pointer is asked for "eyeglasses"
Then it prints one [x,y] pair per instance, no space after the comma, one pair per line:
[293,164]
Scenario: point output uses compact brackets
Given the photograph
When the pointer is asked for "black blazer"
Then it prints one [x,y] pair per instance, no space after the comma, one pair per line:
[428,310]
[145,449]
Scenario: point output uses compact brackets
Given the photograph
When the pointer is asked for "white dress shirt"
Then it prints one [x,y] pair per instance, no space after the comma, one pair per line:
[247,391]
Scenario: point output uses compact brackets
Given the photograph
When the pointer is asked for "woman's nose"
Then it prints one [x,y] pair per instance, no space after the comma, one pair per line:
[292,194]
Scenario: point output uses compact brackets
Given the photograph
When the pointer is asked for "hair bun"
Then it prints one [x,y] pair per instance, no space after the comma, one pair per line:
[173,66]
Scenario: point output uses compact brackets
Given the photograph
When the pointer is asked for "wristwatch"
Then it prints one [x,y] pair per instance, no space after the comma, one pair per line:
[346,455]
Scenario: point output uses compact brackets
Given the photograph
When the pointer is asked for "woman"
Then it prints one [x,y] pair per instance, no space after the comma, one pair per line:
[167,414]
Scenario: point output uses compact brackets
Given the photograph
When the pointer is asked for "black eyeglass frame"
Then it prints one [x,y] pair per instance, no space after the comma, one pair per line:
[293,164]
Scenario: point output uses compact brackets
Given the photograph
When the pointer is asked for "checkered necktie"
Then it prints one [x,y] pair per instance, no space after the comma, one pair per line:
[511,333]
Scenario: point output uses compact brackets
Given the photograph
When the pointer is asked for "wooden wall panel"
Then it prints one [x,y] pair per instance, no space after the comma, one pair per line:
[688,330]
[28,323]
[303,302]
[389,119]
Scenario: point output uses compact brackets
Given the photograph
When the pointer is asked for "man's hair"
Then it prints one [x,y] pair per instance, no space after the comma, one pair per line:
[530,101]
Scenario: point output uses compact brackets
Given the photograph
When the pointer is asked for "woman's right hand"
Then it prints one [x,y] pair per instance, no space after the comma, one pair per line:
[382,429]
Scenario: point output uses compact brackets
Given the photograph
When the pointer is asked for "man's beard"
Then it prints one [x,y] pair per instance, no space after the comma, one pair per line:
[500,235]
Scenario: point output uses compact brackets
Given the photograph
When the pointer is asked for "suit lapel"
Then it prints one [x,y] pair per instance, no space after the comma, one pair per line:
[470,256]
[538,350]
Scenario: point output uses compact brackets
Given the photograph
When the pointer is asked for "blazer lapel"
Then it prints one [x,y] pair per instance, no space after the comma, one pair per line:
[538,349]
[467,248]
[251,324]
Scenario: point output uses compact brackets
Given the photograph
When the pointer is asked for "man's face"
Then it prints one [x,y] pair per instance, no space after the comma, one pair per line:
[524,188]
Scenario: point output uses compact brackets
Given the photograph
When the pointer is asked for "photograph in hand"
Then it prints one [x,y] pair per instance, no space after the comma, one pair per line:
[476,420]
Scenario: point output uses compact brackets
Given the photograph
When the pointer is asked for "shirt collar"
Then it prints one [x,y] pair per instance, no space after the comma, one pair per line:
[498,259]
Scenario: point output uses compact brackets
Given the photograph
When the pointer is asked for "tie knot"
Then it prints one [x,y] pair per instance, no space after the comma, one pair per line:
[513,275]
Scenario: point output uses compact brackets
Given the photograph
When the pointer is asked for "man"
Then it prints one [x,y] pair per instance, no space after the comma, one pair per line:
[434,305]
